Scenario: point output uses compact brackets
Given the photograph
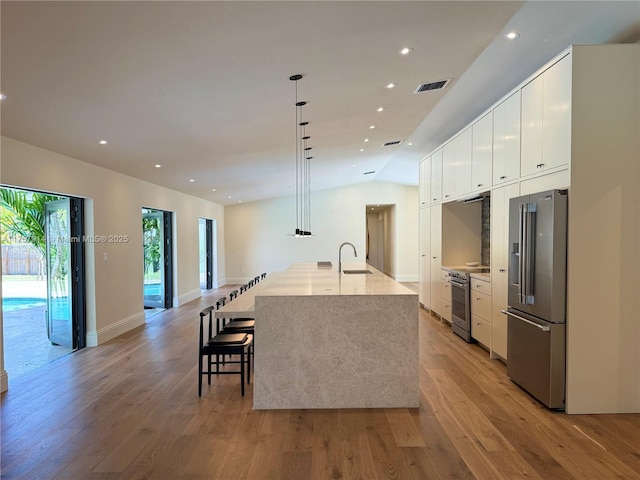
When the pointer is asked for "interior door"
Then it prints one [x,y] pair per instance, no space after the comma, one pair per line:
[157,245]
[60,324]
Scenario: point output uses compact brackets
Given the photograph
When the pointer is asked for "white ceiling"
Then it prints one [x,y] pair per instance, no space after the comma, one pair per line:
[203,88]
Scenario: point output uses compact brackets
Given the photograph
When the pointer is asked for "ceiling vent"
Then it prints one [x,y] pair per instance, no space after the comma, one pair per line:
[369,173]
[427,87]
[389,144]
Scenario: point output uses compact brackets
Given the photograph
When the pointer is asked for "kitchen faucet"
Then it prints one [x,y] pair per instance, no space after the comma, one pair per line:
[340,254]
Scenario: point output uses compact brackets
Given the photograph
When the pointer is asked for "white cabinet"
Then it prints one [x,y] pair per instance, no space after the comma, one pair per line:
[506,140]
[499,266]
[436,259]
[436,176]
[424,292]
[482,153]
[456,166]
[425,182]
[481,311]
[546,119]
[446,296]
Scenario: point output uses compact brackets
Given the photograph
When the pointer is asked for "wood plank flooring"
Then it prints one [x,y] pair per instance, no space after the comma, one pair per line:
[129,409]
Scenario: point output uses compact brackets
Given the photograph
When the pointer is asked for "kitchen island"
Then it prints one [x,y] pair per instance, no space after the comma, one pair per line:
[330,340]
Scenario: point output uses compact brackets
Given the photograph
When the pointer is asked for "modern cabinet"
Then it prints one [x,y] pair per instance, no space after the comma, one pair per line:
[436,258]
[424,291]
[481,311]
[546,119]
[499,265]
[506,140]
[436,176]
[574,132]
[456,166]
[446,296]
[482,153]
[425,182]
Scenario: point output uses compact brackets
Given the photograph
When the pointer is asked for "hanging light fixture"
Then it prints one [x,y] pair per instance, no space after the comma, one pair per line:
[303,169]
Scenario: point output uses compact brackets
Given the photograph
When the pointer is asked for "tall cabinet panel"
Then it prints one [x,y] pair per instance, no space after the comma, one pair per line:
[546,119]
[499,263]
[506,140]
[482,133]
[424,292]
[436,259]
[456,166]
[436,176]
[425,182]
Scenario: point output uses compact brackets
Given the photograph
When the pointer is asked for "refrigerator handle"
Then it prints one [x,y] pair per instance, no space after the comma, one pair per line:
[521,252]
[544,328]
[529,257]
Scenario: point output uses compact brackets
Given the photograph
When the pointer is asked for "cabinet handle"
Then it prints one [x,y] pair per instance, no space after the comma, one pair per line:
[502,270]
[540,165]
[446,196]
[434,257]
[503,177]
[479,185]
[423,255]
[434,200]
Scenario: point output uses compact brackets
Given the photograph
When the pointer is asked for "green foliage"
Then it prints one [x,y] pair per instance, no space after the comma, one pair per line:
[23,216]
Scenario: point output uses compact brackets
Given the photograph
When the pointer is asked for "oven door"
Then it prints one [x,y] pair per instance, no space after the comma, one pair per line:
[460,311]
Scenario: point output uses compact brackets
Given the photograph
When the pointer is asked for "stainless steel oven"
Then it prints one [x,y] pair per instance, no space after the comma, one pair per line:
[460,304]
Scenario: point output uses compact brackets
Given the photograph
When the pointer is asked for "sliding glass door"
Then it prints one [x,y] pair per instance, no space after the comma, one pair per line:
[156,234]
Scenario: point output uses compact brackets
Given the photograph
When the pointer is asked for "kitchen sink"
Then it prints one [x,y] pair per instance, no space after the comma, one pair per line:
[356,272]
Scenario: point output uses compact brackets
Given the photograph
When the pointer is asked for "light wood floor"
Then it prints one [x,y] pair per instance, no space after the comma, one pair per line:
[129,409]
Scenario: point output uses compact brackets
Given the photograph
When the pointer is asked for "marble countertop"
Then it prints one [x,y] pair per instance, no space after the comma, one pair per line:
[482,276]
[309,279]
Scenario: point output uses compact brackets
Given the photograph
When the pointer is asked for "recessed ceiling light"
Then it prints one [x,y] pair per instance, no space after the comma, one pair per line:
[380,109]
[3,96]
[229,196]
[103,142]
[391,85]
[362,149]
[157,165]
[410,143]
[213,189]
[355,166]
[406,51]
[192,180]
[239,201]
[366,139]
[371,127]
[512,35]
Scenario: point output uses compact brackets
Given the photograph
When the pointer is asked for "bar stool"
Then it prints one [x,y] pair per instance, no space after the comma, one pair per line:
[222,344]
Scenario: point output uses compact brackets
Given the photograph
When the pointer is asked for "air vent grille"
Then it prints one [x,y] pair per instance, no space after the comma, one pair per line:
[427,87]
[394,142]
[369,173]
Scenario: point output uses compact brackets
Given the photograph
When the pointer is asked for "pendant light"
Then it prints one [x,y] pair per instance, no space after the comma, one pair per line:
[303,169]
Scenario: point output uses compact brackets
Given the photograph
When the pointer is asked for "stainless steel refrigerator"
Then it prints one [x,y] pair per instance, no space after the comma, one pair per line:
[537,295]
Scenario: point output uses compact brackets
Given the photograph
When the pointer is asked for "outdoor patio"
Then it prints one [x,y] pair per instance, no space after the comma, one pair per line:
[26,346]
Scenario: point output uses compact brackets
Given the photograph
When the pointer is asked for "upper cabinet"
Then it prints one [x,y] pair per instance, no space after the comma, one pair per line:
[481,155]
[425,182]
[506,140]
[546,119]
[456,166]
[436,176]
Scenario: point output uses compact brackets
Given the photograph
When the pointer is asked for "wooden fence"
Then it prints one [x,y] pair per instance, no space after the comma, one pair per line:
[22,259]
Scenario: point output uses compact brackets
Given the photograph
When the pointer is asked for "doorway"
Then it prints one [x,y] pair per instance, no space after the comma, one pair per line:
[157,248]
[380,225]
[43,278]
[206,235]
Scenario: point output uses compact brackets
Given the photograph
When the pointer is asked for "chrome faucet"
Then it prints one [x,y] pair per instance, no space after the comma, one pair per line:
[340,254]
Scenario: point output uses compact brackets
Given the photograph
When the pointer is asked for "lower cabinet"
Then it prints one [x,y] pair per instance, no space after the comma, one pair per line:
[446,296]
[481,311]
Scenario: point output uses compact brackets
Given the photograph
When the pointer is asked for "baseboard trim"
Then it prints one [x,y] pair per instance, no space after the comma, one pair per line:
[187,297]
[114,330]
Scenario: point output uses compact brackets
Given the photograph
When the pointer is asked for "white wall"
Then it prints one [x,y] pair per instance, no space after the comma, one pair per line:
[114,287]
[257,241]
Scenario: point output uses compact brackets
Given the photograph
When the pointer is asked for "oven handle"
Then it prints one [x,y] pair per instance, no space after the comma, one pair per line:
[460,285]
[544,328]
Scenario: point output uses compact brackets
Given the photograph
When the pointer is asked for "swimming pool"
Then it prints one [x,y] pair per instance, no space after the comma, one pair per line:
[18,303]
